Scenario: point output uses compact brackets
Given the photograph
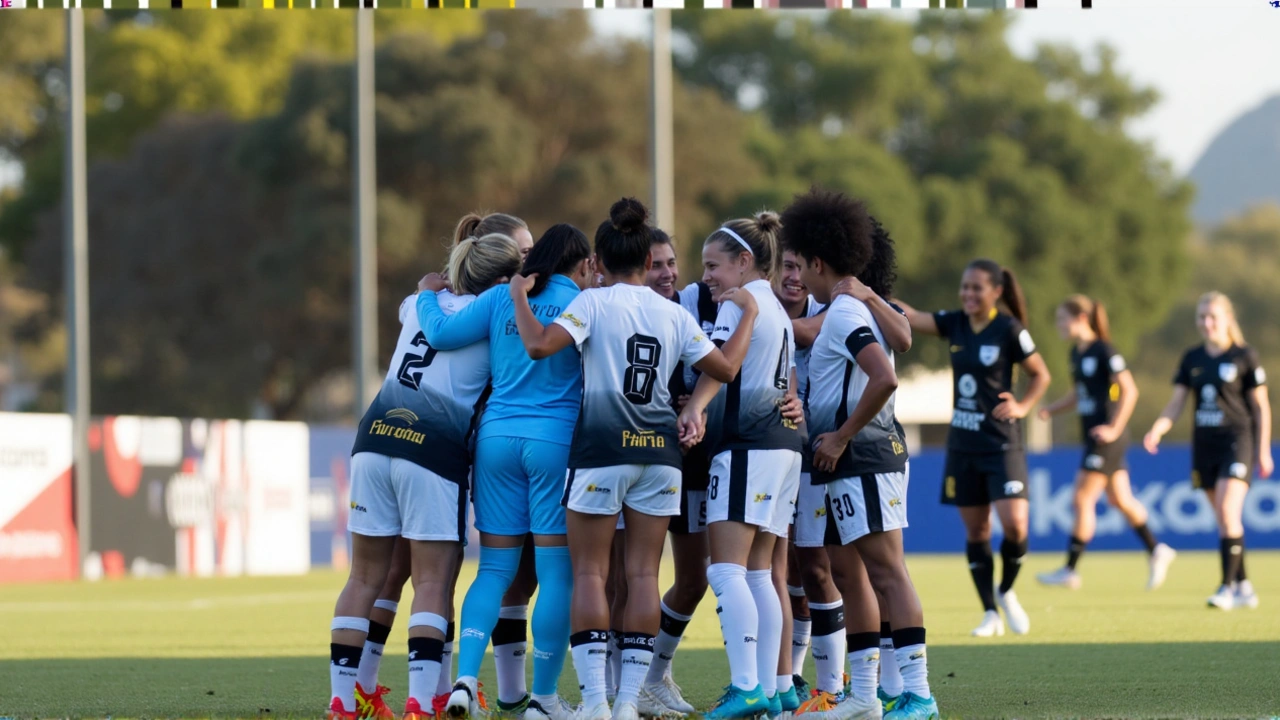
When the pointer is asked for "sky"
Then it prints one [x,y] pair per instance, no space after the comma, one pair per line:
[1209,66]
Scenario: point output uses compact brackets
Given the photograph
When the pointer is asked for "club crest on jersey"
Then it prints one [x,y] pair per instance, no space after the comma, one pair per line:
[1089,366]
[1228,372]
[989,354]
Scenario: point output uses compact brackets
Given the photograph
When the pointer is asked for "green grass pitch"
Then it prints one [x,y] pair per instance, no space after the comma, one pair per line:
[257,647]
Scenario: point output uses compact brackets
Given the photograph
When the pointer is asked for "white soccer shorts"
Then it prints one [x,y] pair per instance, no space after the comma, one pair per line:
[391,496]
[756,487]
[811,514]
[649,489]
[866,504]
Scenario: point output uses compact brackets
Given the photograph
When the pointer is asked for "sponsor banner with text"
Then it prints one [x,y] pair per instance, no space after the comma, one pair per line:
[37,525]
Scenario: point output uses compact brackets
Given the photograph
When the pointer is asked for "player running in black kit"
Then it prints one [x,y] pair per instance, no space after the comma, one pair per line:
[1232,432]
[1105,395]
[986,462]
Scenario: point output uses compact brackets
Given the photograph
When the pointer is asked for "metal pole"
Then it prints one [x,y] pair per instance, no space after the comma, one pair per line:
[663,132]
[364,239]
[76,274]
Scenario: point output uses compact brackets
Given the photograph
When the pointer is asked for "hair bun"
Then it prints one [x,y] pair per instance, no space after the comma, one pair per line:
[768,222]
[628,215]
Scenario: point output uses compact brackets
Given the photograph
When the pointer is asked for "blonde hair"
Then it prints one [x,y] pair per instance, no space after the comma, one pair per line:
[478,225]
[475,264]
[760,233]
[1233,327]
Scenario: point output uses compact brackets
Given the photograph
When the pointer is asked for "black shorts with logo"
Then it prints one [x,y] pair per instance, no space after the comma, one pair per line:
[982,478]
[1208,465]
[1105,458]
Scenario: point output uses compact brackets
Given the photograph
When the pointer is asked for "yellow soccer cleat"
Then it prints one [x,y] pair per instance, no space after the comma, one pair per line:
[821,701]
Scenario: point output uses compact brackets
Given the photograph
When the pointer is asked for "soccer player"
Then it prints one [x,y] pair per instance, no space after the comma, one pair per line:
[859,456]
[626,452]
[409,470]
[1104,395]
[510,634]
[986,461]
[522,453]
[1232,435]
[755,462]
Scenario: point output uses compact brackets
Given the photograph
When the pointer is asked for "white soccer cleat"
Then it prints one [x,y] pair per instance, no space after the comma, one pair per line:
[559,710]
[627,711]
[1224,599]
[1017,618]
[992,625]
[851,707]
[1161,558]
[1062,577]
[1245,595]
[669,694]
[650,706]
[599,712]
[463,702]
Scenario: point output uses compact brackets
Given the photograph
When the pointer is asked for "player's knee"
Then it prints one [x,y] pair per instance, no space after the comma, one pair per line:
[814,577]
[689,591]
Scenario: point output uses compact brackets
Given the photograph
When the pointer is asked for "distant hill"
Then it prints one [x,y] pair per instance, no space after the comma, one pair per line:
[1241,167]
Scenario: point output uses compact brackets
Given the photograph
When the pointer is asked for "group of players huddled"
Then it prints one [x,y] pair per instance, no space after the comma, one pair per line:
[586,406]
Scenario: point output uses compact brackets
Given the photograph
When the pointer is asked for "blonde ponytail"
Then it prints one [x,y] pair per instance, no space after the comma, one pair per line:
[1233,326]
[475,264]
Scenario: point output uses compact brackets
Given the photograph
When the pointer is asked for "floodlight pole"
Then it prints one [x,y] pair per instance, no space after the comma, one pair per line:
[364,238]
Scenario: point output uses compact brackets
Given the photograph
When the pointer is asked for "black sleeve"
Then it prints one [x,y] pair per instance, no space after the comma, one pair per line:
[1114,360]
[1020,344]
[1254,375]
[859,339]
[1183,376]
[946,321]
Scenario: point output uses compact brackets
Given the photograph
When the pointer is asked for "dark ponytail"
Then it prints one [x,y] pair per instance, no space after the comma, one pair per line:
[1010,292]
[1078,305]
[624,240]
[558,251]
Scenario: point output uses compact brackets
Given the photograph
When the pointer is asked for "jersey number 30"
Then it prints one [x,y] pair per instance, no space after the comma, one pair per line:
[643,353]
[411,362]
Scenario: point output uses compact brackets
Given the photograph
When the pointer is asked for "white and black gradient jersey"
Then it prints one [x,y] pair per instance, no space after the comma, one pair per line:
[836,384]
[747,413]
[631,339]
[811,307]
[425,410]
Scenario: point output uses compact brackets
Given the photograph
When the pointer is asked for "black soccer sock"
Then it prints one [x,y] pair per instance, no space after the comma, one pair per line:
[1011,552]
[1232,550]
[982,567]
[1144,534]
[1075,549]
[1240,576]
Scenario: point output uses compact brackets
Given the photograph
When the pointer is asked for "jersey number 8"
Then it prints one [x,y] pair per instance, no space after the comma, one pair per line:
[643,353]
[412,362]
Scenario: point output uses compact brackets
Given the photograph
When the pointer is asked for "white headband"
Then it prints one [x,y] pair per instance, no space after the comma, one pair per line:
[737,237]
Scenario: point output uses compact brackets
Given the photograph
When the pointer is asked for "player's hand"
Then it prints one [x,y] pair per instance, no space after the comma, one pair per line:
[1151,441]
[827,449]
[854,288]
[1044,414]
[520,285]
[1265,465]
[690,427]
[742,298]
[681,401]
[1009,409]
[793,410]
[1105,434]
[432,282]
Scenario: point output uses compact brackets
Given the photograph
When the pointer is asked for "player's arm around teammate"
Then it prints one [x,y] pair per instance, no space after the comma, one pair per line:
[986,460]
[1232,435]
[1104,394]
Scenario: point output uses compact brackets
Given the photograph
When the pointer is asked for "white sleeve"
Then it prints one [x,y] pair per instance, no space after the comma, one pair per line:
[577,318]
[726,322]
[689,298]
[410,304]
[693,343]
[851,328]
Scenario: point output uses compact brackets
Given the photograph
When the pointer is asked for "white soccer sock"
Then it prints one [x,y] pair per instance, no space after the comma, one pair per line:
[890,677]
[425,657]
[801,630]
[589,650]
[445,685]
[613,677]
[769,633]
[637,654]
[508,658]
[739,621]
[371,658]
[664,646]
[344,666]
[785,683]
[913,663]
[829,645]
[863,671]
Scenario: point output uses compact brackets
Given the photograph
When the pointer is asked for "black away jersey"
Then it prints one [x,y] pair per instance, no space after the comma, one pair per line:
[982,368]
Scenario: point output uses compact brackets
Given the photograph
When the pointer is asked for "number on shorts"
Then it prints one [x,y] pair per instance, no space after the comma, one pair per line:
[843,506]
[643,353]
[782,376]
[412,362]
[715,487]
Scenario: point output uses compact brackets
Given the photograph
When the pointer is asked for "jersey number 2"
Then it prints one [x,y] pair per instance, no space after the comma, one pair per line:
[643,353]
[411,362]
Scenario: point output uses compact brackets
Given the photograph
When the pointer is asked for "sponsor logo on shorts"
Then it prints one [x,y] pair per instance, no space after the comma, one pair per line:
[1238,470]
[358,507]
[895,502]
[819,512]
[643,439]
[669,491]
[592,487]
[1093,462]
[1013,487]
[950,486]
[763,497]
